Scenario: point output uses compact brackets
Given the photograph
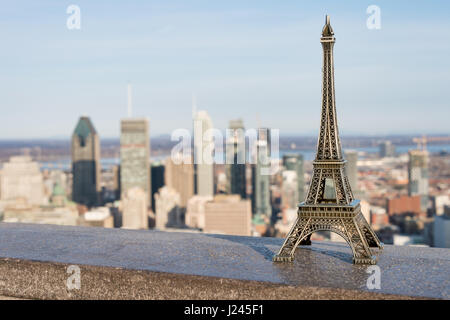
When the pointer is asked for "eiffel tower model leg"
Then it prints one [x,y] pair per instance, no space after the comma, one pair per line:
[293,239]
[351,226]
[329,204]
[369,234]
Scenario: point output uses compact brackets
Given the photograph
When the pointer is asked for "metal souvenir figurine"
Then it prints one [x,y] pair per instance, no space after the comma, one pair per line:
[329,204]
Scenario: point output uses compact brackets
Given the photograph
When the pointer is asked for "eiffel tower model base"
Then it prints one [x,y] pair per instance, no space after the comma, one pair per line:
[347,221]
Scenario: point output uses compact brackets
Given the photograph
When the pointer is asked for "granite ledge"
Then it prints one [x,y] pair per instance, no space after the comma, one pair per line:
[146,264]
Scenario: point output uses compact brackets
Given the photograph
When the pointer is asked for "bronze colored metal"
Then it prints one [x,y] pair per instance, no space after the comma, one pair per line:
[329,204]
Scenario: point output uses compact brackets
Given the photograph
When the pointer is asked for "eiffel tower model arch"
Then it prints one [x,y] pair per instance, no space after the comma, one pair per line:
[329,204]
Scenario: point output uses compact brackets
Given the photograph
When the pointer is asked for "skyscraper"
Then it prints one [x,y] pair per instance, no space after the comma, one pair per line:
[203,154]
[179,175]
[21,178]
[135,209]
[418,176]
[289,189]
[236,158]
[261,175]
[294,161]
[86,163]
[157,180]
[387,149]
[116,181]
[135,156]
[168,213]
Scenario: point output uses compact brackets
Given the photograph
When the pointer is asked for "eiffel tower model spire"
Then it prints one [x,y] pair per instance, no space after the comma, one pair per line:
[329,204]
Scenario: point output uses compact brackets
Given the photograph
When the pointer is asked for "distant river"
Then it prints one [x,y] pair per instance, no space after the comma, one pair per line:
[64,164]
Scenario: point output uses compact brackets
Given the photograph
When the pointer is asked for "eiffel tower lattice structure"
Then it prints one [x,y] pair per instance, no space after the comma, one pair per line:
[329,204]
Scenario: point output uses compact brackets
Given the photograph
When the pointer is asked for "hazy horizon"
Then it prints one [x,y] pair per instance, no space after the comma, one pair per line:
[283,136]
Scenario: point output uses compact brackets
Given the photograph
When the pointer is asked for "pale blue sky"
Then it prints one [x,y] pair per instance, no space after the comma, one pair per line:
[249,59]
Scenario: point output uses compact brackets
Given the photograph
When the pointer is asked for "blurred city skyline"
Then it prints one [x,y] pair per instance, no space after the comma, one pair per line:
[241,59]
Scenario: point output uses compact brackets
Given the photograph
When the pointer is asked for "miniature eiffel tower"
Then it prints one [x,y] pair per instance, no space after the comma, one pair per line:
[329,204]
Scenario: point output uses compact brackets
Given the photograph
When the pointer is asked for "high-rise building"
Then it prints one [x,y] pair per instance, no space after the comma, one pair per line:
[116,181]
[228,214]
[86,163]
[157,177]
[351,168]
[179,175]
[418,176]
[387,149]
[134,209]
[294,162]
[203,154]
[135,157]
[289,189]
[167,209]
[21,179]
[261,175]
[236,159]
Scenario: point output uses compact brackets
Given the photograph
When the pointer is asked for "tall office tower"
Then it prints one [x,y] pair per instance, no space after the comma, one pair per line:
[134,209]
[168,213]
[351,168]
[135,156]
[236,158]
[418,176]
[261,175]
[294,161]
[330,204]
[179,175]
[86,163]
[21,178]
[203,154]
[157,180]
[387,149]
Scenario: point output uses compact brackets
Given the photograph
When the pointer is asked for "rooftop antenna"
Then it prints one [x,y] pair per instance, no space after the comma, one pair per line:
[130,110]
[194,105]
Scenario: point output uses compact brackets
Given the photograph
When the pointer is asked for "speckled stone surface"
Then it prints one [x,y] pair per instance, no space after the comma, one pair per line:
[128,264]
